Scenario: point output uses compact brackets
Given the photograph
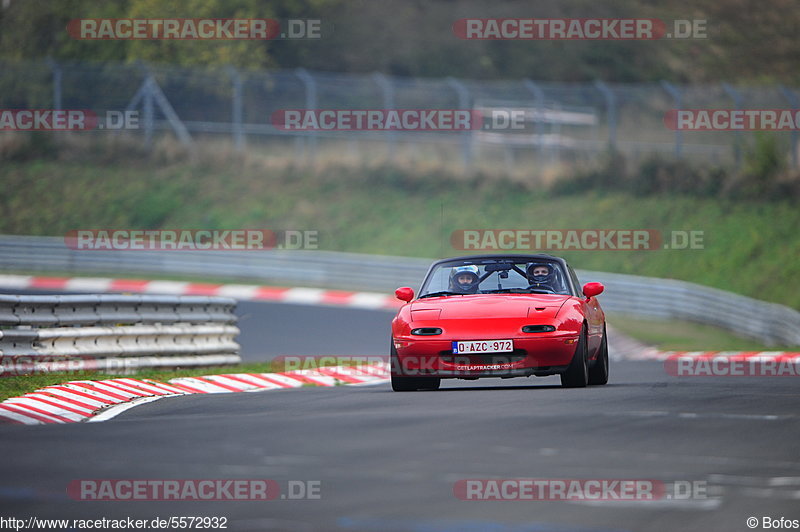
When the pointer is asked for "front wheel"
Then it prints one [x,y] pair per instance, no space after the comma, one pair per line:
[577,374]
[412,384]
[401,383]
[598,373]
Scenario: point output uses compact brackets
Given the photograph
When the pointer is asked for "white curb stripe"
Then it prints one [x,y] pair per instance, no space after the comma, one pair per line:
[27,401]
[88,284]
[200,385]
[15,282]
[25,410]
[238,291]
[19,417]
[303,295]
[45,398]
[319,378]
[147,388]
[166,287]
[231,382]
[67,394]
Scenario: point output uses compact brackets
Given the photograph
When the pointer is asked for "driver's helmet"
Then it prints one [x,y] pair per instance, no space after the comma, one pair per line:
[537,276]
[464,279]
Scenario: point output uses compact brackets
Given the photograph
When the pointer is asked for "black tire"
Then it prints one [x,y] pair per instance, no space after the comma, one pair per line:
[412,384]
[598,372]
[577,374]
[402,383]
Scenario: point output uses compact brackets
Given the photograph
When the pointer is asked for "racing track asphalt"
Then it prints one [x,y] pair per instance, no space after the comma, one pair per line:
[388,461]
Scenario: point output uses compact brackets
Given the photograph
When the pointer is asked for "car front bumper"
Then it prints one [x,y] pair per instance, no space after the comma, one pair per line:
[540,355]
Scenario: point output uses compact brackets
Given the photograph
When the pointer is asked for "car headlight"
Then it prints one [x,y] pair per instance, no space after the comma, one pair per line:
[426,331]
[538,328]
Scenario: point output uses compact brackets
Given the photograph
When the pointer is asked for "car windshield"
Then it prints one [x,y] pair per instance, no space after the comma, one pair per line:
[496,275]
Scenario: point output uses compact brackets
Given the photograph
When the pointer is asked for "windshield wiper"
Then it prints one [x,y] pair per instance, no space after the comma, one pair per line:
[443,293]
[508,291]
[518,291]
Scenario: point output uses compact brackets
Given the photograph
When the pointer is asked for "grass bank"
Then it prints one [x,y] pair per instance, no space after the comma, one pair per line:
[749,247]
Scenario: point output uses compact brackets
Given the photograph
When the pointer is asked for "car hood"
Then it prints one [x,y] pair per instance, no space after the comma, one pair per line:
[487,306]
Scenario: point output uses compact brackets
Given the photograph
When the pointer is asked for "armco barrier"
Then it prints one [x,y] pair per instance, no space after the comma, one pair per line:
[630,294]
[114,332]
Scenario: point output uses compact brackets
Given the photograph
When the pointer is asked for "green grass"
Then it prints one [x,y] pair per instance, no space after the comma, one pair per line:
[750,247]
[677,335]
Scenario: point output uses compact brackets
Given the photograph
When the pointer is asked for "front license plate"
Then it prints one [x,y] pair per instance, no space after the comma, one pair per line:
[483,346]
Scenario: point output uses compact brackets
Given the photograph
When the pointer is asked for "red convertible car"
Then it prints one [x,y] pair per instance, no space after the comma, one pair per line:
[499,316]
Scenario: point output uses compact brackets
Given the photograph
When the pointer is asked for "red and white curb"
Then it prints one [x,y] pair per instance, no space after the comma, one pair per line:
[244,292]
[621,347]
[653,354]
[79,401]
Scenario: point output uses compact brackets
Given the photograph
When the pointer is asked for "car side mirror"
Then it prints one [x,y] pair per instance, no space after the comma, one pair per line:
[404,294]
[593,289]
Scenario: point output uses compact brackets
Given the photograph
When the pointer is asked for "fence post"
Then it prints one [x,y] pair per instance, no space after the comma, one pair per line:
[466,136]
[611,112]
[236,108]
[55,68]
[538,101]
[147,104]
[736,96]
[385,84]
[677,97]
[311,104]
[791,97]
[145,96]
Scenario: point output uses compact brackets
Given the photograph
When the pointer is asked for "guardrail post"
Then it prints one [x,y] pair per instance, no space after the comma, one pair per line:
[466,136]
[611,112]
[677,97]
[736,96]
[237,108]
[791,97]
[311,104]
[385,84]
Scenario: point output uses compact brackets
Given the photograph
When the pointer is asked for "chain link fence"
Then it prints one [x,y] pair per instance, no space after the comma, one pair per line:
[564,122]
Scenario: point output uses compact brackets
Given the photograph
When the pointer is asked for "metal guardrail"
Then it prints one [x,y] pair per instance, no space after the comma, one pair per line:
[656,298]
[114,332]
[630,294]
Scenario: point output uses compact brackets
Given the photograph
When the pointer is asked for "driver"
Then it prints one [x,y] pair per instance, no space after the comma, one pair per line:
[541,276]
[464,279]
